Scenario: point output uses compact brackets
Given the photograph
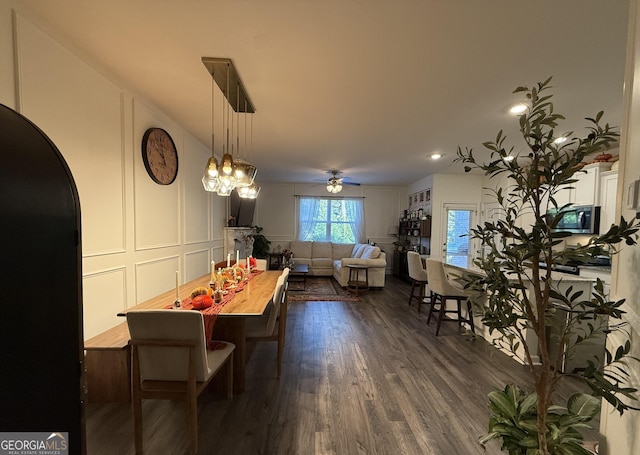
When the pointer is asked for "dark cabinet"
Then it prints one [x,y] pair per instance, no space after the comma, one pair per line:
[413,235]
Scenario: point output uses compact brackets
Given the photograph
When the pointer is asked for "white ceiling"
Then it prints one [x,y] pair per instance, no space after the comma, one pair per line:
[370,87]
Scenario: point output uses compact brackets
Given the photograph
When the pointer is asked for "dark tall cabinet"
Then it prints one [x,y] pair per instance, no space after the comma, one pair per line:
[41,340]
[413,235]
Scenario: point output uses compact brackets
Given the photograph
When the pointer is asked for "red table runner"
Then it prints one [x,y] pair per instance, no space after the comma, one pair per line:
[210,315]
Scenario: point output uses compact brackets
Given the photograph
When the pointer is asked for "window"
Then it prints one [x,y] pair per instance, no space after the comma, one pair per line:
[330,220]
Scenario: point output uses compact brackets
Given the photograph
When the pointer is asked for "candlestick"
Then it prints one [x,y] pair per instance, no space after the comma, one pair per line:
[237,258]
[248,264]
[177,287]
[213,268]
[228,260]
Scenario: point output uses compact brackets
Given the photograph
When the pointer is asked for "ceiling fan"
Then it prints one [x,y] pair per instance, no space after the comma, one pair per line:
[334,184]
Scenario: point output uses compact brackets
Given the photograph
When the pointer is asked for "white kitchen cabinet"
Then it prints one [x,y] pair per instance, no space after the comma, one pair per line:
[586,191]
[608,194]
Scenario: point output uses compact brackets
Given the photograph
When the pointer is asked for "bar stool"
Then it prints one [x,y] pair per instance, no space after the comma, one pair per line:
[418,276]
[441,291]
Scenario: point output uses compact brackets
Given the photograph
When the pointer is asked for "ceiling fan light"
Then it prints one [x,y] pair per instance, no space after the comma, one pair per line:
[334,185]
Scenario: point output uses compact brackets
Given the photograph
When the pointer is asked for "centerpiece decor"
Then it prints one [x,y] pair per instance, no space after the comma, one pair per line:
[512,251]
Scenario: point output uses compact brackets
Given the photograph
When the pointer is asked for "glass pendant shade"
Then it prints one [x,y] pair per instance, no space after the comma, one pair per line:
[253,191]
[248,192]
[210,184]
[245,172]
[224,190]
[227,164]
[210,177]
[227,181]
[243,191]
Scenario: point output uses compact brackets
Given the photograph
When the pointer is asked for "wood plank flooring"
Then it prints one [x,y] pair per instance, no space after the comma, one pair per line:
[368,377]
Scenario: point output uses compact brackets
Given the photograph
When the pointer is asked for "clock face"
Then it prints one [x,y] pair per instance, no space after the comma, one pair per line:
[160,156]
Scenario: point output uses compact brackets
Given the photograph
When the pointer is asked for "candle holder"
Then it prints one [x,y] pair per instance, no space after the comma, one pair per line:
[177,303]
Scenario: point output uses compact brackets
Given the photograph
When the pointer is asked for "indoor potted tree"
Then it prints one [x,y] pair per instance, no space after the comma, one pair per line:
[511,257]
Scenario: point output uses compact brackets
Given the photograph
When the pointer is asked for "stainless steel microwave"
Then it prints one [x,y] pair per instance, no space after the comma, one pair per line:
[579,220]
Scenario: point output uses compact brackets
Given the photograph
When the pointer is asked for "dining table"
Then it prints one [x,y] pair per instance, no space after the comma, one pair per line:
[107,355]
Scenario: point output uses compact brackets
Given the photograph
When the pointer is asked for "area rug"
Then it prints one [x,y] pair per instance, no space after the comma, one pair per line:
[320,288]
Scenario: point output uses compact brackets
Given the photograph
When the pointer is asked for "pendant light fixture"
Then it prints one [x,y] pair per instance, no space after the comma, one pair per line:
[210,177]
[231,172]
[244,171]
[226,175]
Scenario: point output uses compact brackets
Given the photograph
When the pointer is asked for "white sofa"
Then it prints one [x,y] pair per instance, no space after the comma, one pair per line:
[327,259]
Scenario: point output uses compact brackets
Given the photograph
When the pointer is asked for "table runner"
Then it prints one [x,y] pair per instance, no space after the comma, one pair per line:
[210,315]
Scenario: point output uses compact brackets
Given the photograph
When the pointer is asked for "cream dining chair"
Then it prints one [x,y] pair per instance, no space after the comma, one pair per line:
[441,291]
[272,325]
[170,361]
[418,275]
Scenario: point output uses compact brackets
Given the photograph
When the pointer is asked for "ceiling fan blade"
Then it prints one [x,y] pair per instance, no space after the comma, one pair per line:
[351,183]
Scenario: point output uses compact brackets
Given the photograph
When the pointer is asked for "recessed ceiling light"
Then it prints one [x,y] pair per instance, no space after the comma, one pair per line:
[508,158]
[436,156]
[518,108]
[559,140]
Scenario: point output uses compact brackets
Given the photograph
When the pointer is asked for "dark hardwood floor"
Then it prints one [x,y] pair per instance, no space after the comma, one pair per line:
[368,377]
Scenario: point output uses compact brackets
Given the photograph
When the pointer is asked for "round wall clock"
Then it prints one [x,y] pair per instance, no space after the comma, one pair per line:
[160,156]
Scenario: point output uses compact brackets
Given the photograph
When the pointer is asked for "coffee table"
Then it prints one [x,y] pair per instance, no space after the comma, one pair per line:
[299,273]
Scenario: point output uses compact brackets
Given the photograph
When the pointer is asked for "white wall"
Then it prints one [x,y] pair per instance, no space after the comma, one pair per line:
[135,233]
[622,433]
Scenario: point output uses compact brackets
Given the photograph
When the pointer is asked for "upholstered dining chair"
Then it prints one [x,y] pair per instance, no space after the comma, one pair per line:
[170,361]
[441,291]
[272,325]
[418,275]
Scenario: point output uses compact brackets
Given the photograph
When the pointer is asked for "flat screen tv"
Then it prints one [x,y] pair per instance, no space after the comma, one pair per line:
[241,210]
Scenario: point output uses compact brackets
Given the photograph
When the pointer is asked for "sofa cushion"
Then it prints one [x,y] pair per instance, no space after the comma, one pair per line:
[322,263]
[301,249]
[370,252]
[358,248]
[342,250]
[321,250]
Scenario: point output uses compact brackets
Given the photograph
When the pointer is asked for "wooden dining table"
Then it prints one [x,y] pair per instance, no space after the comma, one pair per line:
[107,355]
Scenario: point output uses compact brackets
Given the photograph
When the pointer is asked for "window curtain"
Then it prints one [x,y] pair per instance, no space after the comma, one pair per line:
[355,212]
[307,217]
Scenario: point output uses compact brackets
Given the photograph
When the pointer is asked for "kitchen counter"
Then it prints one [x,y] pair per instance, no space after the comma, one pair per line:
[555,276]
[596,268]
[561,281]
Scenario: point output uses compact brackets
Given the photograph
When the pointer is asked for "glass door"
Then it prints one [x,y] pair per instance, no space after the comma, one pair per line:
[458,247]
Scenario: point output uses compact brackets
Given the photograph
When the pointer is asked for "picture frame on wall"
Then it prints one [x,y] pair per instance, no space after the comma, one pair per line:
[422,196]
[427,195]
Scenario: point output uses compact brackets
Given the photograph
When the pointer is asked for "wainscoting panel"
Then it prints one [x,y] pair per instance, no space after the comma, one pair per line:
[104,295]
